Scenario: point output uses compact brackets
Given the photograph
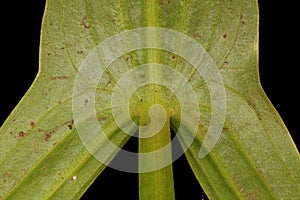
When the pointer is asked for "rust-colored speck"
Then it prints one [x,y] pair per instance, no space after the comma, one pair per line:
[21,134]
[59,78]
[198,36]
[84,23]
[102,118]
[226,64]
[32,123]
[48,135]
[252,195]
[6,175]
[225,36]
[225,129]
[70,126]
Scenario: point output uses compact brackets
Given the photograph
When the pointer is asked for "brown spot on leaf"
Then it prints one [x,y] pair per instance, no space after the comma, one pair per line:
[48,135]
[169,2]
[70,126]
[197,36]
[242,20]
[252,195]
[102,118]
[59,78]
[226,64]
[173,57]
[32,123]
[21,134]
[224,35]
[6,175]
[84,23]
[161,3]
[225,129]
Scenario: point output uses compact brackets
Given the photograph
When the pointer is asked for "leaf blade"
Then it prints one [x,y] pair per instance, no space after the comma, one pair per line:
[228,31]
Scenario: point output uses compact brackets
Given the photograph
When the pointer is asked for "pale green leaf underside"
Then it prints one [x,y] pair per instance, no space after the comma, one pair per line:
[255,157]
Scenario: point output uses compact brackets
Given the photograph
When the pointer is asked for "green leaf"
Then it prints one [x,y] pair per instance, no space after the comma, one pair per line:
[43,157]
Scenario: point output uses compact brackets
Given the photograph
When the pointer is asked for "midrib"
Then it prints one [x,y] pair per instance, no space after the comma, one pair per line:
[157,184]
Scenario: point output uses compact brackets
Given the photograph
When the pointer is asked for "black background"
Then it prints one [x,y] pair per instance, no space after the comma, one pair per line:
[278,49]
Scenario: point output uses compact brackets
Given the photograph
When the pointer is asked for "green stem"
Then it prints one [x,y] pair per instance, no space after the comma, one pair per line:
[159,184]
